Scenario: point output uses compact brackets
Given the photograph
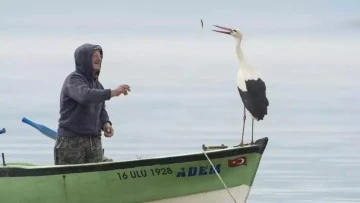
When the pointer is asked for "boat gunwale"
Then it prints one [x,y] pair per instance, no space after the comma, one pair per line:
[45,170]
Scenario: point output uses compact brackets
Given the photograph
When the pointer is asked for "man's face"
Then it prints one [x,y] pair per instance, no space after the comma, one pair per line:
[96,60]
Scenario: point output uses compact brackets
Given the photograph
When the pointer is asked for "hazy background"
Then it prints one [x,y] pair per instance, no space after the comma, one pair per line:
[183,81]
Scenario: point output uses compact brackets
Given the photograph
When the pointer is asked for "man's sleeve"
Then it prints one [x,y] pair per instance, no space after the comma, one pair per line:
[104,117]
[78,90]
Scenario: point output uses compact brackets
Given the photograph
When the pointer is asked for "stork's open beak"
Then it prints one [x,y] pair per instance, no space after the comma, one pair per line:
[228,30]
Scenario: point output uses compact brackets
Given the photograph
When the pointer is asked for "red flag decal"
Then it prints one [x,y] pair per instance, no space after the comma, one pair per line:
[237,161]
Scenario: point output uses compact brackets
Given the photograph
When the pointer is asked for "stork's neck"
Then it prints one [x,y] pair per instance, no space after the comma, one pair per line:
[239,51]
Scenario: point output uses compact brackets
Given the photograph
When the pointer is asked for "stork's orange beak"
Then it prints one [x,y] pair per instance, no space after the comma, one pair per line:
[228,30]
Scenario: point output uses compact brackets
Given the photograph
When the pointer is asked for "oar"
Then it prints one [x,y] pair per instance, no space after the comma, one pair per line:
[2,131]
[43,129]
[49,133]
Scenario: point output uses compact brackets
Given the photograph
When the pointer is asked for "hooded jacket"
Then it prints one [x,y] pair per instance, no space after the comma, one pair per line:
[82,98]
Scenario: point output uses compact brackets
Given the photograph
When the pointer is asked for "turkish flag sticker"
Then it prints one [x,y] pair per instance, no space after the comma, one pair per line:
[237,161]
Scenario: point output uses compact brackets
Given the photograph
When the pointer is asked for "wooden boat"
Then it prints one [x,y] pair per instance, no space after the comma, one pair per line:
[215,174]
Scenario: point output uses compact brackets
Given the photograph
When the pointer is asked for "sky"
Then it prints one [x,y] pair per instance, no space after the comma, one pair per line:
[160,17]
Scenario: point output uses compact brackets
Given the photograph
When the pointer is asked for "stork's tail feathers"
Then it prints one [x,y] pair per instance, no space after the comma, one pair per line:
[260,111]
[259,114]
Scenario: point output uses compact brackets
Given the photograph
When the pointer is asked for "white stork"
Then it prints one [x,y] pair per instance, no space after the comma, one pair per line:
[251,87]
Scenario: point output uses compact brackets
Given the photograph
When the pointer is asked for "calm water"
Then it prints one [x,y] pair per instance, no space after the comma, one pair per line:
[184,95]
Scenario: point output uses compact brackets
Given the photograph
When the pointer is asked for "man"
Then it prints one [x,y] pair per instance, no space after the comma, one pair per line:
[82,110]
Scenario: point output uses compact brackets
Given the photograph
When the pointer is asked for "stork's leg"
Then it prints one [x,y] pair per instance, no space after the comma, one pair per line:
[252,131]
[242,136]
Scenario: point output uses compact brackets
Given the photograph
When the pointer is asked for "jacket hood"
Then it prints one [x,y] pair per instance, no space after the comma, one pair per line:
[83,62]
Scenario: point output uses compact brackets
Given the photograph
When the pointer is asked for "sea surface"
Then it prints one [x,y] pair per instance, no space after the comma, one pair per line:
[184,94]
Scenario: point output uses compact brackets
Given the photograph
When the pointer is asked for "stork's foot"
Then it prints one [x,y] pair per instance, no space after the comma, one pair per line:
[240,145]
[252,140]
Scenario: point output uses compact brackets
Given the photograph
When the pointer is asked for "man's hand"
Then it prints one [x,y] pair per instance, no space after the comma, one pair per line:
[122,89]
[108,130]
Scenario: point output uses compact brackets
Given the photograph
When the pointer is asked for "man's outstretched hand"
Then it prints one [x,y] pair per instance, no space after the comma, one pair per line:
[122,89]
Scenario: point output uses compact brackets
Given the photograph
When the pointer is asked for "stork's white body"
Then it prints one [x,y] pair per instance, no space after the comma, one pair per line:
[246,71]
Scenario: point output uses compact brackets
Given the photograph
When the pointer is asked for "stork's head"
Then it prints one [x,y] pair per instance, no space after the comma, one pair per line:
[233,32]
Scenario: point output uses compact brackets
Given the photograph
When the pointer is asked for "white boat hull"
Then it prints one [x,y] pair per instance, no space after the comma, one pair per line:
[240,194]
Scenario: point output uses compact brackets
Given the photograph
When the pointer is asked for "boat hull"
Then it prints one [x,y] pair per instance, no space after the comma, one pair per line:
[238,193]
[183,178]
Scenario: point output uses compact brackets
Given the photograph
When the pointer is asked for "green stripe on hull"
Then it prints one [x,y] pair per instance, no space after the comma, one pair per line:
[134,184]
